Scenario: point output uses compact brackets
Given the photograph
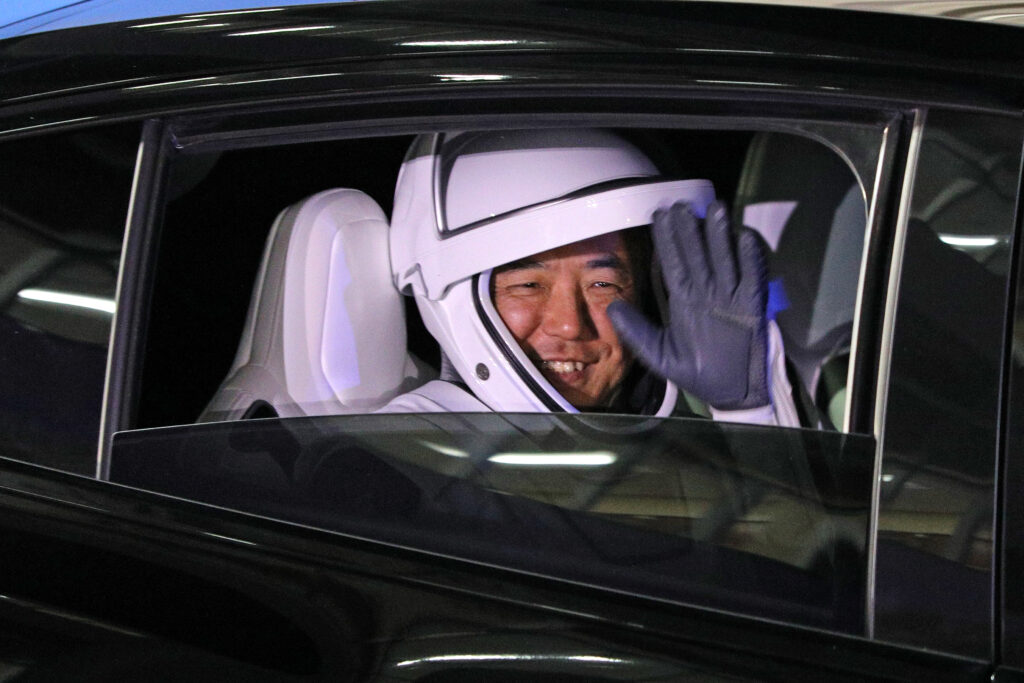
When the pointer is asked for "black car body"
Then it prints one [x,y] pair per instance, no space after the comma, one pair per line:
[143,164]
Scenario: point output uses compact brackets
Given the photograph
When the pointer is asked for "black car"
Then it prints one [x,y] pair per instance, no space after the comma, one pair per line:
[166,516]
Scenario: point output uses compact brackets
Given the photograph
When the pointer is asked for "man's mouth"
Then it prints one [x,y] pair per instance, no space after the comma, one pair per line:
[563,367]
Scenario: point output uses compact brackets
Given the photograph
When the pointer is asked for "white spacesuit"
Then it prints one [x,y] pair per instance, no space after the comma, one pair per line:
[468,203]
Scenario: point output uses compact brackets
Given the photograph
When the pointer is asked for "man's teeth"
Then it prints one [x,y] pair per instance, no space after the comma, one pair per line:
[562,366]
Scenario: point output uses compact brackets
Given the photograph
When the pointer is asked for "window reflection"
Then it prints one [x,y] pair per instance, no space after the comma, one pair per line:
[62,215]
[762,520]
[942,410]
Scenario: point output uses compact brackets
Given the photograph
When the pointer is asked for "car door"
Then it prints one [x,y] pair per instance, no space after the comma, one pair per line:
[872,536]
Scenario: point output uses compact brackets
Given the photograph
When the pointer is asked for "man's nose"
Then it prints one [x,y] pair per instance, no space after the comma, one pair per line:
[567,316]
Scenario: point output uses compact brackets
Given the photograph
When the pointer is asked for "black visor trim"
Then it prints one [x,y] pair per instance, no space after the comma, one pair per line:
[489,325]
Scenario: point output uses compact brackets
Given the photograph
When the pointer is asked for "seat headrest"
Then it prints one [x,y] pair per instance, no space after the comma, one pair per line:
[807,204]
[325,332]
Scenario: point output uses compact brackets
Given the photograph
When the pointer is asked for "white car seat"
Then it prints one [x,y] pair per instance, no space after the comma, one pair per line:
[807,204]
[325,332]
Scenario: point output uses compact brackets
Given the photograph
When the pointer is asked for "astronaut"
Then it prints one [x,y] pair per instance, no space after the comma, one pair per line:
[529,254]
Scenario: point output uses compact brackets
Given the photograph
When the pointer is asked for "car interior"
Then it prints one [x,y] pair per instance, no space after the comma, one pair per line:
[235,215]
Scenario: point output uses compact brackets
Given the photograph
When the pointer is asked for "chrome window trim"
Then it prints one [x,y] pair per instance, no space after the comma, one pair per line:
[121,373]
[886,153]
[885,353]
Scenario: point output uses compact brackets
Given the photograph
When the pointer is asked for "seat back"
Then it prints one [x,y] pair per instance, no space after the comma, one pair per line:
[807,204]
[325,330]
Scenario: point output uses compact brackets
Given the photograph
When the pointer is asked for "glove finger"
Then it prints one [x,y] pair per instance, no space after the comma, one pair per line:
[720,249]
[688,240]
[648,342]
[673,269]
[752,292]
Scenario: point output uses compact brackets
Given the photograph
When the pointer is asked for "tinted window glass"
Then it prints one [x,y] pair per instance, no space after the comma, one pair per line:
[935,524]
[1013,494]
[764,521]
[63,203]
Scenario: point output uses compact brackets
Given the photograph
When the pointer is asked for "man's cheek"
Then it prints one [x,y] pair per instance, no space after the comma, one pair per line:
[519,318]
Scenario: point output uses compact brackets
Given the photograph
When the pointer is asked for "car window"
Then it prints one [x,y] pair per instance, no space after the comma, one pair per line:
[278,320]
[63,205]
[813,242]
[937,494]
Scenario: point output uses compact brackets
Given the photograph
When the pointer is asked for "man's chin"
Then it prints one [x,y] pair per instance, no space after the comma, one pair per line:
[579,399]
[573,386]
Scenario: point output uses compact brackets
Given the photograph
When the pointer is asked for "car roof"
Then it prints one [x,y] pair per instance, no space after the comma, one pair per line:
[34,16]
[181,62]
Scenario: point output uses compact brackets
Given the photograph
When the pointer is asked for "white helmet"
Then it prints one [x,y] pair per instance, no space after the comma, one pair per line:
[468,202]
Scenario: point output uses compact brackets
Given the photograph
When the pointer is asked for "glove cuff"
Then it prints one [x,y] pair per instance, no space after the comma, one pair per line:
[781,410]
[762,415]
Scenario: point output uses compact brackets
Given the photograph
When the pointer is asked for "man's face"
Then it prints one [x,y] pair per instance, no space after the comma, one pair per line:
[554,304]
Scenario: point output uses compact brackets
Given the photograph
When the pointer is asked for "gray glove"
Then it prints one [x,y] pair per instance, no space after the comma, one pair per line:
[715,345]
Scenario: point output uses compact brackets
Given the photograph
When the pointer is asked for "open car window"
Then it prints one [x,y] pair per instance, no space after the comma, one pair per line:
[268,341]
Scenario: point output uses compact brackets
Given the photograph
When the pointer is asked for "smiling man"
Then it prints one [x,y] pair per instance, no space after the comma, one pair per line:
[555,305]
[529,254]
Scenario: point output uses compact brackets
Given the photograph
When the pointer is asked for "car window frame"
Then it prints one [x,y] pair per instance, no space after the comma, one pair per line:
[202,132]
[190,133]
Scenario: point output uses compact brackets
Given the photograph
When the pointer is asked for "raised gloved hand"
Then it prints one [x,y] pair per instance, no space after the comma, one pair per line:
[715,343]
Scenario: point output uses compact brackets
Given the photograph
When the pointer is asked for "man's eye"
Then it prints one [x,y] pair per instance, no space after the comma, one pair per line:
[523,287]
[606,285]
